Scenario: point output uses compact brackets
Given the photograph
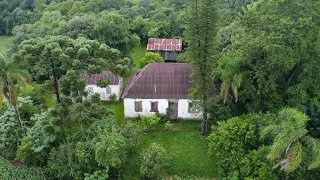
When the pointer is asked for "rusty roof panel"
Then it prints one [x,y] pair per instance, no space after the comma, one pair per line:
[160,81]
[95,78]
[164,44]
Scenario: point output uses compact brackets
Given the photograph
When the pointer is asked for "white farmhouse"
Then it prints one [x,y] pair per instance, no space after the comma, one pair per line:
[114,87]
[159,86]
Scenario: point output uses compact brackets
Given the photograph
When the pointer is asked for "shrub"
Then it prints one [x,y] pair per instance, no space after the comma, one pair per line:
[113,97]
[168,126]
[153,160]
[150,57]
[146,122]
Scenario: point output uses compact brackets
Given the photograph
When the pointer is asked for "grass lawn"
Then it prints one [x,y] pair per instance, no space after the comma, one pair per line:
[118,110]
[5,43]
[185,147]
[136,54]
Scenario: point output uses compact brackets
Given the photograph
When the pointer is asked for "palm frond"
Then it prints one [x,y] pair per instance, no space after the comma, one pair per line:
[294,156]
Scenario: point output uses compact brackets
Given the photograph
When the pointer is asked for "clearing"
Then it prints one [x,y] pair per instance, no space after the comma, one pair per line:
[185,148]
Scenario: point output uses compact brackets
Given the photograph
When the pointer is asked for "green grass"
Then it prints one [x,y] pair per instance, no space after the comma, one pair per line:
[136,54]
[5,43]
[185,147]
[118,110]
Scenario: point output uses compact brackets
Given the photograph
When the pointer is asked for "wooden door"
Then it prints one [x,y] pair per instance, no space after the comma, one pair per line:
[173,106]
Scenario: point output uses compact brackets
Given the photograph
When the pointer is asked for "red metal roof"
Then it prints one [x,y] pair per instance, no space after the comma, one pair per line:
[160,81]
[164,44]
[95,78]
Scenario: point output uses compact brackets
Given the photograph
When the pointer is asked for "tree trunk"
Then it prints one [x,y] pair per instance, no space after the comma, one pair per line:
[16,108]
[204,124]
[55,81]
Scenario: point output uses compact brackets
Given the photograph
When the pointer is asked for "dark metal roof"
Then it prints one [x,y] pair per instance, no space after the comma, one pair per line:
[160,81]
[164,44]
[95,78]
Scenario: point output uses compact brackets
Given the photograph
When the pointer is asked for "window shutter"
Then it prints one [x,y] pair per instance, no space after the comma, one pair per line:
[156,106]
[140,106]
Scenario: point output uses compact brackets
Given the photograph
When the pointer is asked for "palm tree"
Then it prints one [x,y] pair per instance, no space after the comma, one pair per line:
[230,76]
[290,141]
[9,73]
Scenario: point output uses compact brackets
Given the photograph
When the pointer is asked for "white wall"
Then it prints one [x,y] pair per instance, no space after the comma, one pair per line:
[130,112]
[116,89]
[183,104]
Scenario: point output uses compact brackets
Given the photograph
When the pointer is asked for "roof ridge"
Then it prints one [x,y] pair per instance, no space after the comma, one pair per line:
[135,79]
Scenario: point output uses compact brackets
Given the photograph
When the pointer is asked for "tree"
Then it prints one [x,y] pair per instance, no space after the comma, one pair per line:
[228,71]
[236,147]
[201,28]
[291,142]
[113,29]
[11,131]
[40,138]
[93,152]
[150,57]
[262,40]
[8,74]
[153,160]
[62,59]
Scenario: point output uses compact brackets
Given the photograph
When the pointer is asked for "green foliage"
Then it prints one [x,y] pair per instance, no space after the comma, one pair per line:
[67,57]
[92,152]
[146,122]
[39,139]
[9,171]
[113,97]
[168,126]
[10,132]
[235,145]
[6,43]
[184,147]
[104,83]
[150,57]
[262,38]
[290,138]
[98,175]
[153,160]
[201,29]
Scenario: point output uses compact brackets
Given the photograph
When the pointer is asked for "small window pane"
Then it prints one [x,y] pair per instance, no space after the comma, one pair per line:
[138,106]
[108,90]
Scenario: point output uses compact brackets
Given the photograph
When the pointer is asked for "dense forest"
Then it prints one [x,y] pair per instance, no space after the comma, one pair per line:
[255,81]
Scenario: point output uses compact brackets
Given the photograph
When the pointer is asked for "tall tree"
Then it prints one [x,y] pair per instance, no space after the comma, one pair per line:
[57,58]
[201,29]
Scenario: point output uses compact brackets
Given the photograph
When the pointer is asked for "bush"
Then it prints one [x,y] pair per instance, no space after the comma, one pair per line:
[113,97]
[150,57]
[153,160]
[236,147]
[9,171]
[146,122]
[168,126]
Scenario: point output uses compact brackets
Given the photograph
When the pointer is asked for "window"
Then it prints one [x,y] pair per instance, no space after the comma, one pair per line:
[191,107]
[138,106]
[108,90]
[154,106]
[90,90]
